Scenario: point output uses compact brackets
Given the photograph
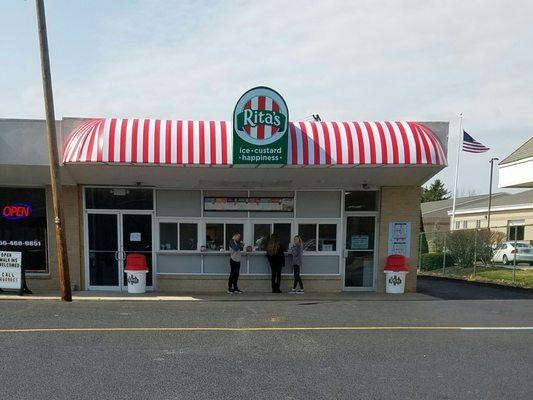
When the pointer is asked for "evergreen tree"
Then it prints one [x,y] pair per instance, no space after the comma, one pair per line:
[436,191]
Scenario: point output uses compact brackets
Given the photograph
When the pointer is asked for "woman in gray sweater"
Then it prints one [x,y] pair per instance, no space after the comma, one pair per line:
[296,251]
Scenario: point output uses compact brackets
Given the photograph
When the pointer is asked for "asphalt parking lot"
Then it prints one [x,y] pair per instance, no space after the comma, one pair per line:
[432,347]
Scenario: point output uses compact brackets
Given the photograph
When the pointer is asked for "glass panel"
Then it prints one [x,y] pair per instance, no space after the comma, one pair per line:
[137,238]
[261,234]
[214,236]
[360,200]
[168,236]
[327,237]
[23,226]
[119,198]
[360,233]
[231,229]
[103,245]
[188,236]
[307,233]
[359,269]
[284,233]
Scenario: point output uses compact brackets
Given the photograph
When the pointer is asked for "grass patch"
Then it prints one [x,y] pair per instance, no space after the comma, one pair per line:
[496,274]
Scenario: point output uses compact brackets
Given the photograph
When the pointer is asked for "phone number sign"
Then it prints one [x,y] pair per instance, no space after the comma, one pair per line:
[10,269]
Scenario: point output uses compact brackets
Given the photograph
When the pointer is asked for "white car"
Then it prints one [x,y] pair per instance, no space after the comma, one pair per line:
[507,251]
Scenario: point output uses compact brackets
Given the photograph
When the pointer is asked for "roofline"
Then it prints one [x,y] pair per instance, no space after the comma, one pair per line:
[520,161]
[495,208]
[466,202]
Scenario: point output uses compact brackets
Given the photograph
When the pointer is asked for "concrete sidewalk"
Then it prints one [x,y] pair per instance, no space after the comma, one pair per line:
[251,296]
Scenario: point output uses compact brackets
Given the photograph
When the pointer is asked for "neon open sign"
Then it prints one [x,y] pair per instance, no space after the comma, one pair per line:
[16,211]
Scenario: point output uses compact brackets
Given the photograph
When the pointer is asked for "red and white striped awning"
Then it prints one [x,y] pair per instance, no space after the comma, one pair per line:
[154,141]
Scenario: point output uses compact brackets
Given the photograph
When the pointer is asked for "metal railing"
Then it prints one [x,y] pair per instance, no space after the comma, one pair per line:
[503,254]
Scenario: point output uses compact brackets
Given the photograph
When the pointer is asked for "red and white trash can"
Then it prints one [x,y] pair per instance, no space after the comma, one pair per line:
[136,270]
[396,271]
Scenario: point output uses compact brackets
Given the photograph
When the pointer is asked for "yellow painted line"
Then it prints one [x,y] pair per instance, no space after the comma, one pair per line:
[270,329]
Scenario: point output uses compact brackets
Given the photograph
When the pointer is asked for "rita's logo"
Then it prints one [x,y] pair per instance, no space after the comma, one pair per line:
[12,212]
[261,116]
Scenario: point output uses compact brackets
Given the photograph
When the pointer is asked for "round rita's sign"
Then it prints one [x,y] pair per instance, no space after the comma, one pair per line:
[260,125]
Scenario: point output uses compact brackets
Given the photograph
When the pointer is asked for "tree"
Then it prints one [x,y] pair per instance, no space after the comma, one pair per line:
[435,192]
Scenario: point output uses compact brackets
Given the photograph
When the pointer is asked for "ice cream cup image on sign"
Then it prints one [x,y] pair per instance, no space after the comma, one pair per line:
[260,125]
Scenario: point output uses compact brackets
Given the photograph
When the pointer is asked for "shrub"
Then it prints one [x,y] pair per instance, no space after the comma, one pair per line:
[432,261]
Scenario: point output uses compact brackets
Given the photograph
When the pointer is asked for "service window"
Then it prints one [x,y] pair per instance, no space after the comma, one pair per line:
[214,237]
[188,236]
[327,237]
[231,229]
[23,226]
[283,230]
[360,200]
[168,236]
[261,233]
[307,233]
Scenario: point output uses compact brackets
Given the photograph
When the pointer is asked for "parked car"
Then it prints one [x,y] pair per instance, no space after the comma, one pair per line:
[507,251]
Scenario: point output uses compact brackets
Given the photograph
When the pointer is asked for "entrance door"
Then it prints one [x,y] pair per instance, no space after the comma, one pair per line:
[359,253]
[111,236]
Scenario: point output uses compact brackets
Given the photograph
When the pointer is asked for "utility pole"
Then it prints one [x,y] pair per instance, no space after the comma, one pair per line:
[62,259]
[490,190]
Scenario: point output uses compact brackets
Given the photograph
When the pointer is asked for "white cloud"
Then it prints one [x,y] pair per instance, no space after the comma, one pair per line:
[343,59]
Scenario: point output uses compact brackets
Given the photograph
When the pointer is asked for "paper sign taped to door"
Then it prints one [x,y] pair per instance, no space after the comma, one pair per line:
[135,236]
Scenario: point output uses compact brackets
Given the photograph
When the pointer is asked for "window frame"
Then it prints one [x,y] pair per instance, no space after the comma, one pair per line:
[317,222]
[178,222]
[271,223]
[224,222]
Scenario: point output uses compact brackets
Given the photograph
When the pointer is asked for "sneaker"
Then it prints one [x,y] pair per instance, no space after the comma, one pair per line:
[230,291]
[237,291]
[300,291]
[293,291]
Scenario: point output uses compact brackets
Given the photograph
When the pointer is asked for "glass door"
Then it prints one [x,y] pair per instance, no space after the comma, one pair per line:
[137,238]
[359,253]
[103,251]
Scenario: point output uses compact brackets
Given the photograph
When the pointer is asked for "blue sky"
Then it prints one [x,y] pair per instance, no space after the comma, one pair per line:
[353,60]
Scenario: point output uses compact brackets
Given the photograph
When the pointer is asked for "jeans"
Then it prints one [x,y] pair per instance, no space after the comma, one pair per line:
[297,277]
[233,275]
[276,278]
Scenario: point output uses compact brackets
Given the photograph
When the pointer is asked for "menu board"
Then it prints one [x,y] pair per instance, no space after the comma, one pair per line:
[399,238]
[249,204]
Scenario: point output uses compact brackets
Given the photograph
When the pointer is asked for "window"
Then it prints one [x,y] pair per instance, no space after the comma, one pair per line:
[318,237]
[169,233]
[327,237]
[457,224]
[478,223]
[307,233]
[119,198]
[214,236]
[262,232]
[516,232]
[168,236]
[188,236]
[23,226]
[465,224]
[218,235]
[360,200]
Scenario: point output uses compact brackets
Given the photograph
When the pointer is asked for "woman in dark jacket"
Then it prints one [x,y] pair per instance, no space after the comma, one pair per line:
[276,259]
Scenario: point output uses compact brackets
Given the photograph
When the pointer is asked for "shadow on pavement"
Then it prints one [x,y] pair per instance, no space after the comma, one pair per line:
[449,289]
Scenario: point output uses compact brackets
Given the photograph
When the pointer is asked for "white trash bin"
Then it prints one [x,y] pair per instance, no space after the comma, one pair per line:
[136,281]
[395,281]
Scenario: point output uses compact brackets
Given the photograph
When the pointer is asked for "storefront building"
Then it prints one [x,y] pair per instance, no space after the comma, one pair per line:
[176,191]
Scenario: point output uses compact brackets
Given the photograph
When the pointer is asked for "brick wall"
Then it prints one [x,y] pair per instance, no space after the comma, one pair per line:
[399,204]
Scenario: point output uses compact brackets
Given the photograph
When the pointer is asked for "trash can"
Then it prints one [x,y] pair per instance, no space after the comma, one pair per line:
[136,269]
[396,271]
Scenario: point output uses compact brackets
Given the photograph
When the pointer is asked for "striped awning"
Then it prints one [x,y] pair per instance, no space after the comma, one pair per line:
[178,142]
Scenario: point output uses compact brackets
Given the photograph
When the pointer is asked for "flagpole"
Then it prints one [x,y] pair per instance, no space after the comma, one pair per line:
[459,142]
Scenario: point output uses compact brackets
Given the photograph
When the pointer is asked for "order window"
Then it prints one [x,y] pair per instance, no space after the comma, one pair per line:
[262,232]
[172,233]
[218,235]
[318,237]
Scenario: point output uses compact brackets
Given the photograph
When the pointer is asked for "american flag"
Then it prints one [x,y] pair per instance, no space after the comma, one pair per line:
[472,146]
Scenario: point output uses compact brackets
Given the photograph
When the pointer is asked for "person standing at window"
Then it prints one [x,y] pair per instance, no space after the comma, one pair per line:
[235,248]
[276,259]
[297,252]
